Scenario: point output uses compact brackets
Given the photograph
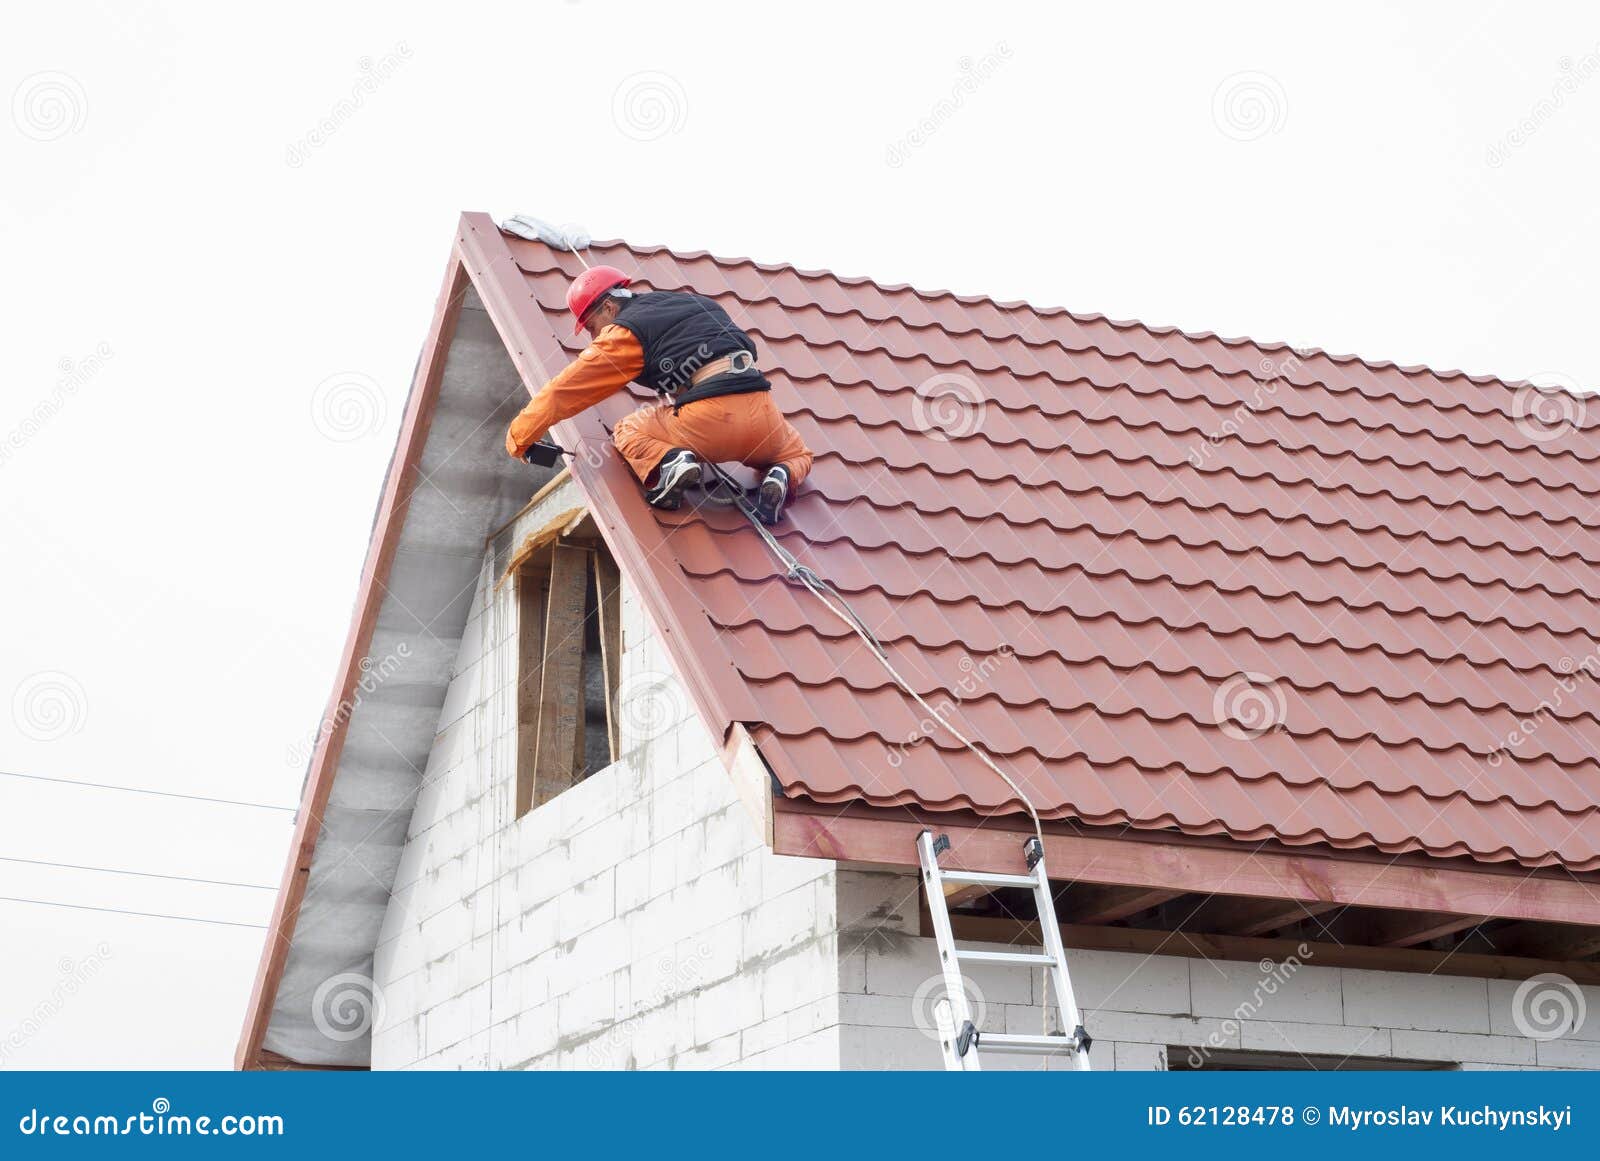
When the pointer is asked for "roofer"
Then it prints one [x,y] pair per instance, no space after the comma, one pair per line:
[714,404]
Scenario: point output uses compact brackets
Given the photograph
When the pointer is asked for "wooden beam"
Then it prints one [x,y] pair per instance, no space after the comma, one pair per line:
[270,1061]
[1196,945]
[1557,941]
[1093,903]
[533,586]
[1229,915]
[1410,928]
[889,839]
[608,589]
[560,707]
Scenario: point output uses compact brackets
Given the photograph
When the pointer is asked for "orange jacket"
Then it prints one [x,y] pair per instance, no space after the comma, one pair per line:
[606,366]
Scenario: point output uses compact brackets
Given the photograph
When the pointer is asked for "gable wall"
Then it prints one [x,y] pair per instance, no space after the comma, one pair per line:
[634,921]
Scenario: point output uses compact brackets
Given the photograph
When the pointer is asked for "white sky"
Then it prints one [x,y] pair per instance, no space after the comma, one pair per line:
[182,539]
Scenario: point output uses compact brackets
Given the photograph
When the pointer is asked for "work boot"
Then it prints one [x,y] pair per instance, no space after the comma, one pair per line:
[678,471]
[773,494]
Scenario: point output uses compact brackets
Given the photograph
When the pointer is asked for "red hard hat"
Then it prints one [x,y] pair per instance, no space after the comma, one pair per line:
[587,288]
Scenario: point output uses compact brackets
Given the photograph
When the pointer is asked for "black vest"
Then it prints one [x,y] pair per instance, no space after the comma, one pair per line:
[680,333]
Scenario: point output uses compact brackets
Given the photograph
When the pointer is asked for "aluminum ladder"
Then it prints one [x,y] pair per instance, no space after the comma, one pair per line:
[959,1038]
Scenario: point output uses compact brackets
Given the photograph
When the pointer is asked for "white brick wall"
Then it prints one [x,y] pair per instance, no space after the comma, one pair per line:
[637,922]
[1137,1006]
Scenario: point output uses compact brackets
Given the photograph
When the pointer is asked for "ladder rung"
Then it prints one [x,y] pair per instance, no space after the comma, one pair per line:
[987,879]
[1014,958]
[1019,1044]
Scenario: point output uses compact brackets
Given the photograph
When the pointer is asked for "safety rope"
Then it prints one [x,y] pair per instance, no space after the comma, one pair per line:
[804,575]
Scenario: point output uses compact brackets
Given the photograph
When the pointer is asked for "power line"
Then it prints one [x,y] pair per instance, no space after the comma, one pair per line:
[140,874]
[144,790]
[141,914]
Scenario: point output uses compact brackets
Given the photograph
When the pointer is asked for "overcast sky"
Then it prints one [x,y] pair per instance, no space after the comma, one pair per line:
[222,237]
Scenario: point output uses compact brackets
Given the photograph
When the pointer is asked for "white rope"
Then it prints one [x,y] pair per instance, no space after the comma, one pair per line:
[797,573]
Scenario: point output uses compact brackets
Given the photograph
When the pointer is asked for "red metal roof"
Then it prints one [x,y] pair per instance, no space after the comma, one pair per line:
[1122,550]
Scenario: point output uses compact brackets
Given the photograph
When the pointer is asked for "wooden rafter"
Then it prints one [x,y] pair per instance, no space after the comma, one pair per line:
[1096,903]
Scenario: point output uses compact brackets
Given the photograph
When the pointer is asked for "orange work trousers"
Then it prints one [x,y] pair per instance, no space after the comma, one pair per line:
[748,428]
